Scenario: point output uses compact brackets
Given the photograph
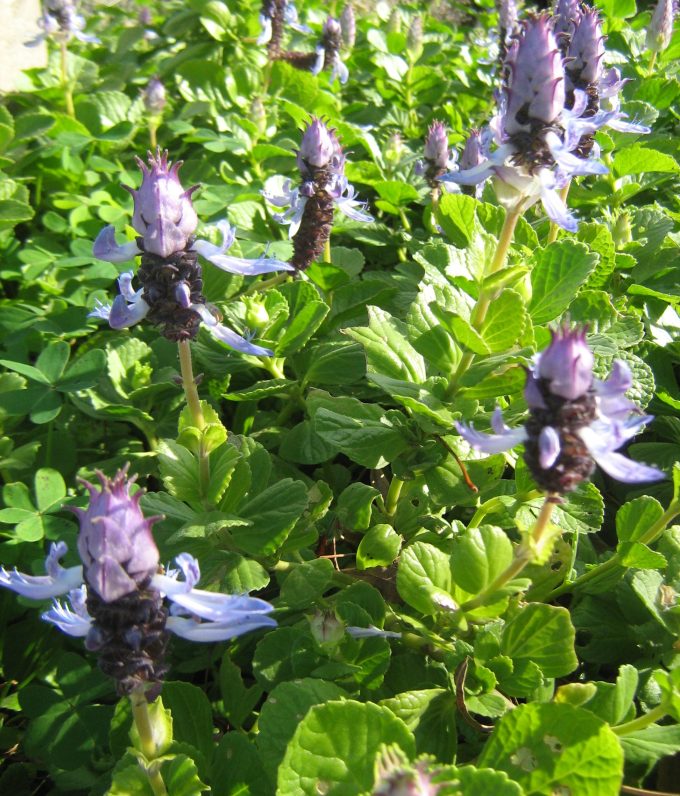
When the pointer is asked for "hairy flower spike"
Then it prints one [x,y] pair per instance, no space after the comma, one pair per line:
[437,154]
[117,597]
[323,187]
[583,65]
[507,25]
[575,420]
[171,295]
[660,28]
[348,25]
[566,14]
[154,97]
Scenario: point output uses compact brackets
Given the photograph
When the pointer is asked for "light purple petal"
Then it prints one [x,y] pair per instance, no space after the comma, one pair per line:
[44,587]
[548,447]
[216,631]
[624,469]
[491,443]
[320,58]
[74,621]
[239,265]
[102,311]
[350,208]
[123,315]
[266,34]
[602,439]
[371,632]
[229,337]
[106,248]
[557,211]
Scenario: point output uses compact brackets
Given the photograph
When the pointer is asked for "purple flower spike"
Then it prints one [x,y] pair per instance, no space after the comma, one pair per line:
[154,96]
[565,17]
[437,145]
[119,610]
[115,542]
[164,215]
[575,420]
[583,65]
[660,28]
[348,25]
[567,363]
[536,80]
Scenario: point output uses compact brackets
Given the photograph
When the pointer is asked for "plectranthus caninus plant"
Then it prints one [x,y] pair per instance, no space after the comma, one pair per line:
[61,20]
[575,420]
[117,594]
[323,187]
[274,15]
[348,25]
[171,292]
[328,52]
[660,28]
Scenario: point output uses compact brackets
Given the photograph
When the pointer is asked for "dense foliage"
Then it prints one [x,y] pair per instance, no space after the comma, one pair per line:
[448,620]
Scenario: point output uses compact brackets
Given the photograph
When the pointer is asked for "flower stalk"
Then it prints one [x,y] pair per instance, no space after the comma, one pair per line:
[65,82]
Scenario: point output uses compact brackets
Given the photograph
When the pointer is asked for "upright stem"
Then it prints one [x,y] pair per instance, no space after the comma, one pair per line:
[652,62]
[195,409]
[265,283]
[524,555]
[641,721]
[393,493]
[484,301]
[66,85]
[153,129]
[327,251]
[140,715]
[555,228]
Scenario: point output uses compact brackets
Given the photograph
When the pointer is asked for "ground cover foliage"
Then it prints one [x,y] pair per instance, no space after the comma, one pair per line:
[441,625]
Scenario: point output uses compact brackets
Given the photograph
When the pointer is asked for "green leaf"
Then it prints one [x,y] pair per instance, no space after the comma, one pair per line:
[379,547]
[456,216]
[191,715]
[424,578]
[396,192]
[324,748]
[49,488]
[636,516]
[181,776]
[542,636]
[281,714]
[372,443]
[553,748]
[52,361]
[84,372]
[560,269]
[237,768]
[639,159]
[480,555]
[260,389]
[307,583]
[272,515]
[238,700]
[430,715]
[128,777]
[504,322]
[388,350]
[355,505]
[336,363]
[26,370]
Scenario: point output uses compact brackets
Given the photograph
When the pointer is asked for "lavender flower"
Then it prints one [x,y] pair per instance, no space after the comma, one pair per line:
[507,24]
[61,20]
[348,24]
[566,14]
[328,52]
[575,420]
[660,29]
[153,97]
[323,187]
[414,38]
[171,279]
[116,597]
[534,133]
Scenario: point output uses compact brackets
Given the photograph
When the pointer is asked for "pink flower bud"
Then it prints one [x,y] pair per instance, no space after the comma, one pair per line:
[535,78]
[567,363]
[585,52]
[115,542]
[164,215]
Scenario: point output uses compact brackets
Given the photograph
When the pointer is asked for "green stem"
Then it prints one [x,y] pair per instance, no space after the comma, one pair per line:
[524,555]
[652,62]
[267,283]
[497,503]
[140,715]
[641,721]
[49,443]
[153,129]
[327,251]
[648,537]
[484,301]
[195,410]
[393,493]
[66,85]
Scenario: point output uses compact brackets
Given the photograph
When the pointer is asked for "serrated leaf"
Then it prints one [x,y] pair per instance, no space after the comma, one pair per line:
[560,269]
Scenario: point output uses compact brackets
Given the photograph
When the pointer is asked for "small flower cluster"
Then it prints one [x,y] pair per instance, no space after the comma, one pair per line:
[660,29]
[273,15]
[171,279]
[117,595]
[61,20]
[549,109]
[328,52]
[575,420]
[438,157]
[323,187]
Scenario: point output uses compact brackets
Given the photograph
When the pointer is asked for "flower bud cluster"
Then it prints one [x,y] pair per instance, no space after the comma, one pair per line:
[660,28]
[117,597]
[575,420]
[323,187]
[171,293]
